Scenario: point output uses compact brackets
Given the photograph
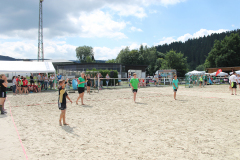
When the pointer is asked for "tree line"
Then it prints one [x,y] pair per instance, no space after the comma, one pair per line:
[215,50]
[196,49]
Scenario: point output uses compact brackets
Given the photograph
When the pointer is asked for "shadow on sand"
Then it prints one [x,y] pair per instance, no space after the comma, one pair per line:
[69,129]
[141,103]
[3,115]
[87,106]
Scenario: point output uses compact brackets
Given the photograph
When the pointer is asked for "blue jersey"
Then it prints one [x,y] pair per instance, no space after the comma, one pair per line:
[59,77]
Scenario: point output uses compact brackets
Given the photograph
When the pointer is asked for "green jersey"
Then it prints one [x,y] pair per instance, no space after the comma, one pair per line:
[176,83]
[81,80]
[214,78]
[134,82]
[205,78]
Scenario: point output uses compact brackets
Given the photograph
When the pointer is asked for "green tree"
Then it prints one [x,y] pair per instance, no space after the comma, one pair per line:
[174,60]
[225,53]
[201,67]
[111,61]
[89,59]
[123,56]
[83,52]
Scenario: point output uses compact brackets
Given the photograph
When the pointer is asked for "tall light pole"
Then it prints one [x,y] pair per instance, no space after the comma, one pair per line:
[40,34]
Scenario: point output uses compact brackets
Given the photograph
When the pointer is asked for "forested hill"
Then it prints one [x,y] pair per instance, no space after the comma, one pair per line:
[196,50]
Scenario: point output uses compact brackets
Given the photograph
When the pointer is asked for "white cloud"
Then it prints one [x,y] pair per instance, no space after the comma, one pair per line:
[129,10]
[29,50]
[200,33]
[100,24]
[135,29]
[153,11]
[105,53]
[233,25]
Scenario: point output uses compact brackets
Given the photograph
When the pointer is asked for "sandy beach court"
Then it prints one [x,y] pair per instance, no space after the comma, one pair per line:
[203,123]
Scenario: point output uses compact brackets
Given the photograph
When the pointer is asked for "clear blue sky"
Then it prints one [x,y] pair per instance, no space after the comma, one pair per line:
[109,25]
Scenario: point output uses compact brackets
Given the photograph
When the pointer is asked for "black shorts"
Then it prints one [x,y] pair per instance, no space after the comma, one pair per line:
[25,86]
[200,82]
[205,80]
[62,106]
[81,90]
[234,85]
[3,94]
[174,90]
[88,84]
[134,90]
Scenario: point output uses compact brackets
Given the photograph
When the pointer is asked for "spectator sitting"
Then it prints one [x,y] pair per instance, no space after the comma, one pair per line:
[142,83]
[35,87]
[30,87]
[39,87]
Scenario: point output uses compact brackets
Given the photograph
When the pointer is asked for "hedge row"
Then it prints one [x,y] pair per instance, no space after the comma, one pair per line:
[104,73]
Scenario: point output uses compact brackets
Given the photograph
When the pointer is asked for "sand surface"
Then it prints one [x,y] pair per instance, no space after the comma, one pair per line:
[203,123]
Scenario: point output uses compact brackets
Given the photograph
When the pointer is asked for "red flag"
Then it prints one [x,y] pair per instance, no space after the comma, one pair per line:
[219,71]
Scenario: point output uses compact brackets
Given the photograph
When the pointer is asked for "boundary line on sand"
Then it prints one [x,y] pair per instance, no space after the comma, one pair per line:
[17,130]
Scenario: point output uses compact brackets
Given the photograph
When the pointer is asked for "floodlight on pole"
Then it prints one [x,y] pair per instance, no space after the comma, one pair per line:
[40,34]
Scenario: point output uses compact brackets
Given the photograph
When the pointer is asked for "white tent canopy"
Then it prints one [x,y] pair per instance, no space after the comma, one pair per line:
[237,72]
[194,72]
[220,74]
[23,66]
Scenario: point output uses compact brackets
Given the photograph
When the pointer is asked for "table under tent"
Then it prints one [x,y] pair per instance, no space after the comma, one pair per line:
[25,68]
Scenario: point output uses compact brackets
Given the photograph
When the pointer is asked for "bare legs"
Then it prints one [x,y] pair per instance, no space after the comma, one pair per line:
[234,90]
[175,93]
[62,117]
[88,89]
[134,96]
[80,96]
[2,100]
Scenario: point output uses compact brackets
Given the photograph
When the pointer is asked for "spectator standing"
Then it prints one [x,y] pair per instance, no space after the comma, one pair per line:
[39,78]
[51,81]
[200,81]
[14,81]
[88,83]
[96,80]
[92,81]
[31,79]
[107,79]
[18,80]
[214,79]
[159,78]
[3,94]
[101,80]
[25,85]
[155,80]
[46,81]
[59,77]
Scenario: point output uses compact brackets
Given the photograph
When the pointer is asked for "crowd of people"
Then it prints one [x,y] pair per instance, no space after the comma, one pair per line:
[23,85]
